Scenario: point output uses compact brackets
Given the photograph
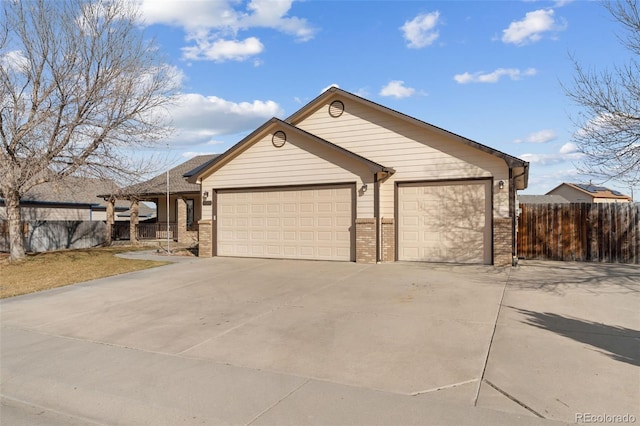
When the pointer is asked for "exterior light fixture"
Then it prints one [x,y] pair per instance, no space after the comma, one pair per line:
[501,184]
[364,188]
[205,194]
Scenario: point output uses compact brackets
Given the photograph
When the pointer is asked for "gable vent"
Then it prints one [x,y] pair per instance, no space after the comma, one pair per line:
[279,138]
[336,109]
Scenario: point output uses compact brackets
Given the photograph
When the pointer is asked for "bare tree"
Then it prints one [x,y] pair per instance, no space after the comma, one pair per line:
[609,122]
[80,89]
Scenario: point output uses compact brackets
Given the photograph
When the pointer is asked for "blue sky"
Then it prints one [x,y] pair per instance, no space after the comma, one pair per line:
[491,71]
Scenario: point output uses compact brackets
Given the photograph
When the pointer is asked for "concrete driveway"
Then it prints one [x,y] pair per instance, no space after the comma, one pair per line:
[254,341]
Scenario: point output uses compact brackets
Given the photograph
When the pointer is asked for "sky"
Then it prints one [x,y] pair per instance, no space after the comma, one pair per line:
[491,71]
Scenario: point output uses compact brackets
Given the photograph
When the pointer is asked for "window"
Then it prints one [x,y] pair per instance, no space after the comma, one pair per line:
[190,212]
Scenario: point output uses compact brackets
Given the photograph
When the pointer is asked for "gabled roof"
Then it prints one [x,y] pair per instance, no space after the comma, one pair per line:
[594,191]
[512,162]
[177,184]
[193,175]
[541,199]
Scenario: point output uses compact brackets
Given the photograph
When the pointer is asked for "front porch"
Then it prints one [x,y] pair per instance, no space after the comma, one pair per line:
[121,231]
[177,224]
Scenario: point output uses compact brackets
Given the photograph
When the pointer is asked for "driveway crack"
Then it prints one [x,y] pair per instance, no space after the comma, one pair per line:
[493,334]
[520,403]
[269,408]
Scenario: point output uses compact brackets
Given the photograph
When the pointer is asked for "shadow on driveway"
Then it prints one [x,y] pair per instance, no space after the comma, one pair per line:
[623,347]
[561,277]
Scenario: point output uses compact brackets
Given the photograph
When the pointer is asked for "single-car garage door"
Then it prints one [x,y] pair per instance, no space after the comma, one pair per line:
[445,222]
[300,223]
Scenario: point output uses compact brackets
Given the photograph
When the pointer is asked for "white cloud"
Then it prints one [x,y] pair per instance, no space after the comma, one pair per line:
[541,136]
[14,60]
[397,89]
[272,14]
[420,31]
[329,87]
[531,28]
[560,3]
[569,148]
[213,26]
[568,152]
[199,119]
[493,77]
[191,154]
[223,50]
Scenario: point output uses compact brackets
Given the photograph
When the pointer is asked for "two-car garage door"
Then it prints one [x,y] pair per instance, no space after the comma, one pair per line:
[297,223]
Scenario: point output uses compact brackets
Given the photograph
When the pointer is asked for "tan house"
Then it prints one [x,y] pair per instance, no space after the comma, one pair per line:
[588,193]
[348,179]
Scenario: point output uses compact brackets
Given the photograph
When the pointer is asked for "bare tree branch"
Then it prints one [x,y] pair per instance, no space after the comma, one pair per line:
[81,88]
[609,124]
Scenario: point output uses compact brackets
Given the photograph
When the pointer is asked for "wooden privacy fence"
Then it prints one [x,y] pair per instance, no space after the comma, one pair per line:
[602,232]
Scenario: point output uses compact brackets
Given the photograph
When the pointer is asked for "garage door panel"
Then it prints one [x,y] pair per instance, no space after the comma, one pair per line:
[444,222]
[314,223]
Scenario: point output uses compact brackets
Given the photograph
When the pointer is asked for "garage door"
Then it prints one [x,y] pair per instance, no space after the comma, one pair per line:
[308,223]
[445,222]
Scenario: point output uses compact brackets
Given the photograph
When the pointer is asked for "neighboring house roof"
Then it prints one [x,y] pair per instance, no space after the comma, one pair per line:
[192,175]
[541,199]
[144,211]
[72,190]
[177,184]
[594,191]
[521,168]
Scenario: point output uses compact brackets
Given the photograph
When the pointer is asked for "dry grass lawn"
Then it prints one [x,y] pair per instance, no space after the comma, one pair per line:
[43,271]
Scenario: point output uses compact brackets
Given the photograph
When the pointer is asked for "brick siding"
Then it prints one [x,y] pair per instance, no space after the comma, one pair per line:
[366,240]
[205,245]
[502,244]
[388,240]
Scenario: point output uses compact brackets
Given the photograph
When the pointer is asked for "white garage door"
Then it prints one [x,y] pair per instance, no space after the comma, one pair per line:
[445,222]
[310,223]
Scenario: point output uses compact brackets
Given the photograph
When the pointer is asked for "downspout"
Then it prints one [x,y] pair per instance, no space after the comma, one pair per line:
[376,214]
[512,214]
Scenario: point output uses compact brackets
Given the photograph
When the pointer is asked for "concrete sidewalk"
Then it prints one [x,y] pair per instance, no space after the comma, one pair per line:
[254,341]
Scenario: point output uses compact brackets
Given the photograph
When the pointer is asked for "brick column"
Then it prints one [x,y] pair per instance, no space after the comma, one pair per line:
[502,244]
[205,241]
[182,220]
[366,240]
[388,239]
[133,223]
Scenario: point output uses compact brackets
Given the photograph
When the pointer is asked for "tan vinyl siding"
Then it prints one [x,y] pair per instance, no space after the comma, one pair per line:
[298,162]
[99,216]
[572,194]
[416,153]
[50,213]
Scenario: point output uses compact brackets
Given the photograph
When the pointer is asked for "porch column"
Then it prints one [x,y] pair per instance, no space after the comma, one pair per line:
[182,220]
[110,220]
[133,223]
